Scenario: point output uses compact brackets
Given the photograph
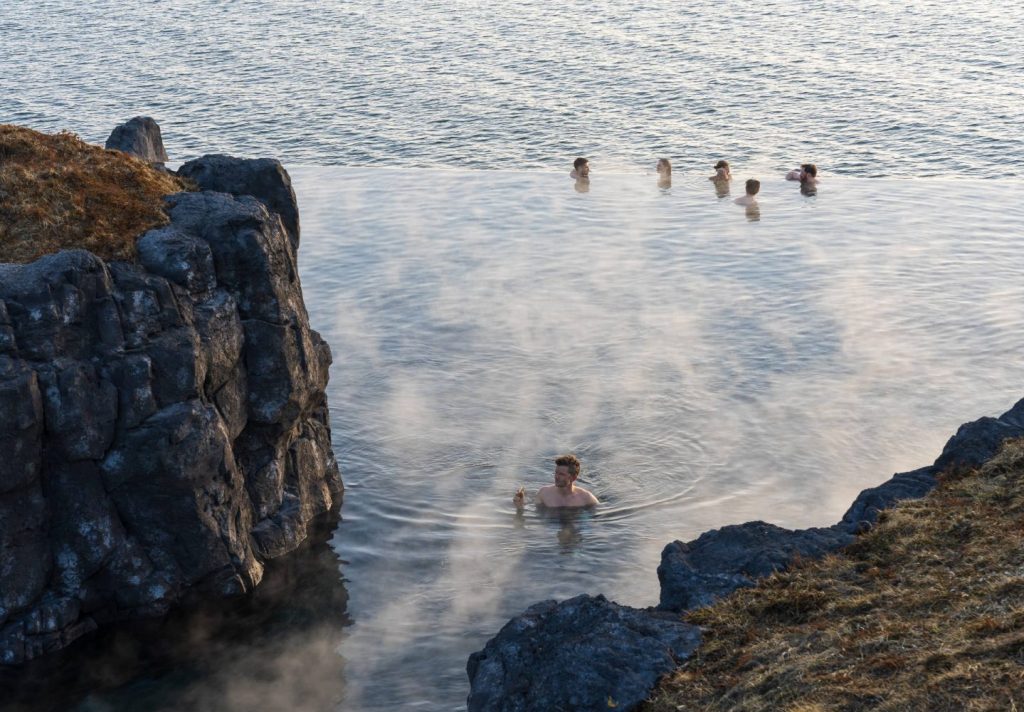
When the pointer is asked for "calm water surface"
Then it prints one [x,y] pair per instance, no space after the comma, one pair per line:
[861,87]
[708,369]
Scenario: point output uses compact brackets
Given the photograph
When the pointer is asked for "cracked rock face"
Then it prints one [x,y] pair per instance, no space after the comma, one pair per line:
[164,424]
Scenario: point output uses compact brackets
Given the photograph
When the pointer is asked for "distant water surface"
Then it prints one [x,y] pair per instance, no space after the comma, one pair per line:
[861,88]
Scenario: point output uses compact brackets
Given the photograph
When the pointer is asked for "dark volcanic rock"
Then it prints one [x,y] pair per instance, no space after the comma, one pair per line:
[581,654]
[978,441]
[164,425]
[697,573]
[140,137]
[265,179]
[904,485]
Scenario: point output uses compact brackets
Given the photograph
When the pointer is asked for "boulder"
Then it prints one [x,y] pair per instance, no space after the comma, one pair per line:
[586,653]
[266,179]
[141,138]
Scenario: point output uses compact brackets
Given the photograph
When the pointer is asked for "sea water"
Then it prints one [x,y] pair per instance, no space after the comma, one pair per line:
[861,87]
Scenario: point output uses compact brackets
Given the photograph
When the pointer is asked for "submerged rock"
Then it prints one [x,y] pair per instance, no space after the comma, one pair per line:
[586,653]
[141,138]
[144,405]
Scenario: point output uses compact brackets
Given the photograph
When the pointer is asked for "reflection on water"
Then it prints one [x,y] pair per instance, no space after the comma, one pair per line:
[568,524]
[706,370]
[275,650]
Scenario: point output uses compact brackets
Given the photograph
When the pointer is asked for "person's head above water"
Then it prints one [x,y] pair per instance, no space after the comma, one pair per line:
[721,171]
[753,186]
[581,168]
[567,469]
[664,166]
[808,170]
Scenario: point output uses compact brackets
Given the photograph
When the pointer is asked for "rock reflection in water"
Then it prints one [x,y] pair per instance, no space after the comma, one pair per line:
[276,649]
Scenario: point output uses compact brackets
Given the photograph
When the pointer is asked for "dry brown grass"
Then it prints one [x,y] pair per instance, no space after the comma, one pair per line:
[925,612]
[58,192]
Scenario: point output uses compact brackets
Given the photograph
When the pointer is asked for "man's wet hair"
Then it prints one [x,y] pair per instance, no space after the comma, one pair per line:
[570,461]
[721,164]
[753,186]
[810,169]
[581,161]
[667,164]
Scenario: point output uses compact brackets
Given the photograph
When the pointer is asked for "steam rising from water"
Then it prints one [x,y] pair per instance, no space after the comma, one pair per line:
[707,370]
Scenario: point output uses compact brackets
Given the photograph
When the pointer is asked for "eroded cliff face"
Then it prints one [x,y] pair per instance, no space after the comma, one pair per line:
[163,424]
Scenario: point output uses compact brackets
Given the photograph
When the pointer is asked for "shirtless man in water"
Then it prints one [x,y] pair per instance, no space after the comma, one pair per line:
[564,493]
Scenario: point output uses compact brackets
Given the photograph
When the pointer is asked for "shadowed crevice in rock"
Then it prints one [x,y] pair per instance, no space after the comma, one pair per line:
[165,428]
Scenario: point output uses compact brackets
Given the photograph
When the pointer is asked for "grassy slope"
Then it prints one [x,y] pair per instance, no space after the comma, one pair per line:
[925,612]
[58,192]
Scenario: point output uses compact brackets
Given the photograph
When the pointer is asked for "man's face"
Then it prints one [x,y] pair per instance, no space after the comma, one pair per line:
[583,171]
[563,480]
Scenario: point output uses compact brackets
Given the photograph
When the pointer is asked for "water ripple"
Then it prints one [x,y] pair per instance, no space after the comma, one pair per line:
[866,89]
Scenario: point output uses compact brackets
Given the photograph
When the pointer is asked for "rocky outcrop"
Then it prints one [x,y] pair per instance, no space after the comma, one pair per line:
[692,575]
[697,573]
[165,427]
[612,655]
[141,138]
